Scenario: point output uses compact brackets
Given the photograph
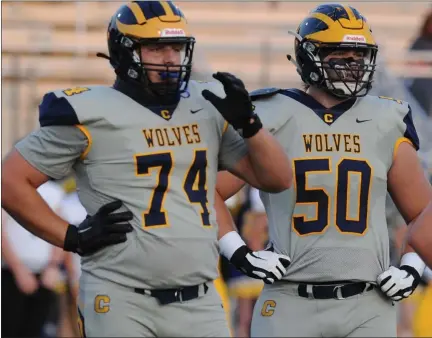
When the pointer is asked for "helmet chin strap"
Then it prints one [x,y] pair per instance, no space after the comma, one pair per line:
[103,56]
[339,87]
[291,59]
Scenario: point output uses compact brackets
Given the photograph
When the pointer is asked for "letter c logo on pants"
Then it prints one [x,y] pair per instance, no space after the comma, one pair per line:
[268,308]
[101,304]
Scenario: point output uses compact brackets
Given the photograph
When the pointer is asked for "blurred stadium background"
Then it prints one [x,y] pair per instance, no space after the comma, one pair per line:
[50,45]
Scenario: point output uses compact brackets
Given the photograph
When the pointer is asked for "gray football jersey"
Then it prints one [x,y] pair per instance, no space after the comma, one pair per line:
[332,221]
[161,163]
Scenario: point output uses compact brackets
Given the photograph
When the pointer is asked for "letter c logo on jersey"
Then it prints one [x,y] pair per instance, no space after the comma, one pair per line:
[268,308]
[165,114]
[328,118]
[101,304]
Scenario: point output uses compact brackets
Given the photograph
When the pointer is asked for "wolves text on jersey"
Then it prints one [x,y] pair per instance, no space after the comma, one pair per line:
[172,136]
[349,143]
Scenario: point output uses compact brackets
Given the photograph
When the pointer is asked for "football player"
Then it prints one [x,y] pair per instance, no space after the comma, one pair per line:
[149,148]
[347,148]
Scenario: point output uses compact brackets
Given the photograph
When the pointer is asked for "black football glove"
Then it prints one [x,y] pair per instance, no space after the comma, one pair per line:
[236,107]
[98,231]
[265,264]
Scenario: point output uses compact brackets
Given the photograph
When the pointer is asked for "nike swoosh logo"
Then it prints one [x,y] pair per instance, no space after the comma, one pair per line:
[84,230]
[252,254]
[361,121]
[196,111]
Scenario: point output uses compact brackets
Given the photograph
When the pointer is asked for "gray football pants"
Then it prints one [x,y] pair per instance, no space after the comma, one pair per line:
[280,312]
[108,310]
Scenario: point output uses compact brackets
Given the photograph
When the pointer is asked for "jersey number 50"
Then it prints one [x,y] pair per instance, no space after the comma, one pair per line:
[194,184]
[322,199]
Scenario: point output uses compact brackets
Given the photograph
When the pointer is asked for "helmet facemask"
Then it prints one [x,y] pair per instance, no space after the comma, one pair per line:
[349,76]
[340,76]
[174,78]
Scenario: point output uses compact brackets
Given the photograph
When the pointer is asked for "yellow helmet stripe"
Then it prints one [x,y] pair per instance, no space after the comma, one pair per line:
[350,13]
[169,12]
[136,10]
[329,21]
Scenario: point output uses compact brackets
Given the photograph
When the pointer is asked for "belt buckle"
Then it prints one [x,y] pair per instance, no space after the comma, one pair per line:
[179,295]
[309,291]
[337,292]
[368,287]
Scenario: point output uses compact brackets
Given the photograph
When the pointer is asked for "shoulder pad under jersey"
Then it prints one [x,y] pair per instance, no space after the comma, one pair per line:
[57,110]
[406,124]
[400,111]
[263,92]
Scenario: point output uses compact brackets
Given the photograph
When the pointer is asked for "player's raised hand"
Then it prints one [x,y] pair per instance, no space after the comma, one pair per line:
[100,230]
[266,265]
[398,283]
[237,106]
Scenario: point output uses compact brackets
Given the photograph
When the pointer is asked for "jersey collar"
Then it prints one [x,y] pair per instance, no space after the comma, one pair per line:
[148,101]
[335,112]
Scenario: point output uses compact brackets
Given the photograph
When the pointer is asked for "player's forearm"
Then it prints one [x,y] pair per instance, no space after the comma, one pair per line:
[227,185]
[411,258]
[231,245]
[22,201]
[223,216]
[420,235]
[408,249]
[269,162]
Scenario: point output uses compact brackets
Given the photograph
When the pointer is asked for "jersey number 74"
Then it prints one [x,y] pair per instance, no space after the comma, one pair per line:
[194,184]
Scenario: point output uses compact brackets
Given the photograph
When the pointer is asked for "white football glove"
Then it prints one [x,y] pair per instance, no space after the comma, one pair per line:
[266,265]
[399,283]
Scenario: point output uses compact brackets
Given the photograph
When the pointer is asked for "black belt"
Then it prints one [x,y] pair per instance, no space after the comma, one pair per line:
[333,291]
[168,296]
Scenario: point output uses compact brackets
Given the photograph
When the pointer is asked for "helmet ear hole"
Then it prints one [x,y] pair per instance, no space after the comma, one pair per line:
[310,73]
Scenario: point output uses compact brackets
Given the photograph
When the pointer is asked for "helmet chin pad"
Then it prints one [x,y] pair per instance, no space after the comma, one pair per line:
[344,89]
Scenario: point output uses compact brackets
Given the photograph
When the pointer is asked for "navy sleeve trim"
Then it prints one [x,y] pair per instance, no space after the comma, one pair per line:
[56,111]
[411,132]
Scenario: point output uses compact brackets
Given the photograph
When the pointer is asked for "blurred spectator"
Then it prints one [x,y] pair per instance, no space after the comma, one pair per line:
[422,323]
[274,5]
[424,41]
[421,88]
[414,312]
[234,204]
[243,290]
[73,212]
[30,275]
